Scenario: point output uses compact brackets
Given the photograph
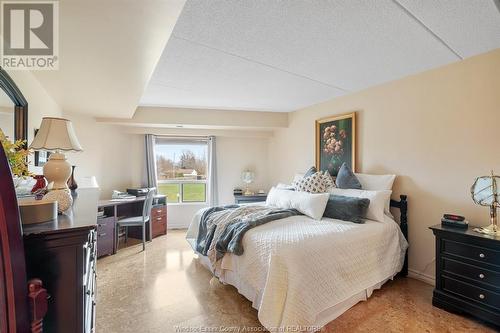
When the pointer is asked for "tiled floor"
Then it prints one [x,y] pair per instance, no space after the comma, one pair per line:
[165,289]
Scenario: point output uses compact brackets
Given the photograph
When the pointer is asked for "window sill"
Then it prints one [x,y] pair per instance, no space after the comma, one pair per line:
[187,203]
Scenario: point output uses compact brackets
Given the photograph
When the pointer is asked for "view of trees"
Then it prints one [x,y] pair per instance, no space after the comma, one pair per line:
[183,167]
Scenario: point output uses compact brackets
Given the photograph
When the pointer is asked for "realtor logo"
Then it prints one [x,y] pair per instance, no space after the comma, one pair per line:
[30,31]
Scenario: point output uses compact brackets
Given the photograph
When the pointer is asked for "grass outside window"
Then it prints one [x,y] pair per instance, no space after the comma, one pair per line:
[183,192]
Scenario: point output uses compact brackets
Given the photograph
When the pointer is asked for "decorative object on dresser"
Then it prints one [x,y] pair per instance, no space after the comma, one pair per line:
[41,183]
[37,211]
[57,134]
[247,177]
[467,273]
[241,199]
[336,143]
[72,184]
[485,193]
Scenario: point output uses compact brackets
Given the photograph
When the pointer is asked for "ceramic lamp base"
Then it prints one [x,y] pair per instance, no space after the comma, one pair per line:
[57,171]
[63,198]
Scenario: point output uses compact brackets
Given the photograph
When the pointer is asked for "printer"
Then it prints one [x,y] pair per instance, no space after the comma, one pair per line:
[138,192]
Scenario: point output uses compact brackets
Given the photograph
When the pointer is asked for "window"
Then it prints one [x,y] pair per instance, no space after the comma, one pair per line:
[182,169]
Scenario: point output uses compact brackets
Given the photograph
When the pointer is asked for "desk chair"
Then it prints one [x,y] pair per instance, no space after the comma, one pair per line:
[138,220]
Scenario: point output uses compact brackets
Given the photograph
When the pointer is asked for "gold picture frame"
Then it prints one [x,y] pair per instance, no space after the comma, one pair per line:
[336,142]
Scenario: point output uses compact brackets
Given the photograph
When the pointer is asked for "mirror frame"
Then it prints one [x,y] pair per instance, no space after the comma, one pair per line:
[20,105]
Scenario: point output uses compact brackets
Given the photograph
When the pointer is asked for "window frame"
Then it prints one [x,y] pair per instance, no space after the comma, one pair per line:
[174,140]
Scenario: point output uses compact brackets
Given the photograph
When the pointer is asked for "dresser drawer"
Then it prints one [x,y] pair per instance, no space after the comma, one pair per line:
[158,211]
[159,226]
[490,278]
[105,236]
[479,254]
[477,294]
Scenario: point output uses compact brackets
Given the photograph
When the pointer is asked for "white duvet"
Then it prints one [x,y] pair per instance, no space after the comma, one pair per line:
[295,268]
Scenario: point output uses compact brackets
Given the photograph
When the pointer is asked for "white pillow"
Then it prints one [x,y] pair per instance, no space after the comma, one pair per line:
[375,182]
[310,204]
[378,200]
[282,186]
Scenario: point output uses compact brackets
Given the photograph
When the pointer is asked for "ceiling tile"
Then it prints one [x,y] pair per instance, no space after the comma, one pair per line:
[469,27]
[351,44]
[283,55]
[191,75]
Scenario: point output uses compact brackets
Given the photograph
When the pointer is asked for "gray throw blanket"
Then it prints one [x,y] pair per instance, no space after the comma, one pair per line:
[221,229]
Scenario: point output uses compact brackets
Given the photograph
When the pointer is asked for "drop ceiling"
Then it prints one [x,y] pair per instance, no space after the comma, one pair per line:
[285,55]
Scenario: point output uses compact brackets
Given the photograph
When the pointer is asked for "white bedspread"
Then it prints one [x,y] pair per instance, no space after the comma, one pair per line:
[300,267]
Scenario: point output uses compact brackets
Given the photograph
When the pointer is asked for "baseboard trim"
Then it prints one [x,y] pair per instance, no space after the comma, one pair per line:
[421,277]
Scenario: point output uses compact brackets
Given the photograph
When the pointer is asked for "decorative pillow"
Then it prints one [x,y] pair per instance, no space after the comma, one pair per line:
[312,205]
[311,171]
[319,182]
[378,200]
[346,208]
[346,178]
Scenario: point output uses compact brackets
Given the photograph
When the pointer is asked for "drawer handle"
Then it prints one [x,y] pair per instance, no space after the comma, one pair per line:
[102,234]
[158,211]
[481,296]
[159,219]
[481,255]
[481,276]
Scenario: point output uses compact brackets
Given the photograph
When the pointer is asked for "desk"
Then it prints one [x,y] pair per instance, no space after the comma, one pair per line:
[115,210]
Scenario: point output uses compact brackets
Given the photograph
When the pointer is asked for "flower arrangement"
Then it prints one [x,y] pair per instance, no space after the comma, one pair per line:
[17,155]
[333,140]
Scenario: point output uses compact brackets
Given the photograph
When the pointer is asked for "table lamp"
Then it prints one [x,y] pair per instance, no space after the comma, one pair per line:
[57,136]
[485,192]
[247,177]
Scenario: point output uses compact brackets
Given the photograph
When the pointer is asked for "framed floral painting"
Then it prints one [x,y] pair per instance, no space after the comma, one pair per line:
[336,142]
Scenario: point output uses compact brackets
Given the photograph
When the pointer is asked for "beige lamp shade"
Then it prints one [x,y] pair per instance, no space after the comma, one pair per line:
[56,134]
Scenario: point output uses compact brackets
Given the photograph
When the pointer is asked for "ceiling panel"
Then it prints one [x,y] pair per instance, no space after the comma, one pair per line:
[348,43]
[195,76]
[469,27]
[283,55]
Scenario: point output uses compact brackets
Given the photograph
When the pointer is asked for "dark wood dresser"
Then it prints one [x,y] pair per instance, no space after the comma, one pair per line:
[467,273]
[63,254]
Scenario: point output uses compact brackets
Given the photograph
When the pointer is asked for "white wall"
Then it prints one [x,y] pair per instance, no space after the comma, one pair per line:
[113,156]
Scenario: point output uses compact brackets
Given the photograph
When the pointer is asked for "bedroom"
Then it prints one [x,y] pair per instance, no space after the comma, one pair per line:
[201,98]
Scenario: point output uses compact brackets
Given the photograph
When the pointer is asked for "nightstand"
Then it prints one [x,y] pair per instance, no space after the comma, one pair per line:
[242,199]
[467,273]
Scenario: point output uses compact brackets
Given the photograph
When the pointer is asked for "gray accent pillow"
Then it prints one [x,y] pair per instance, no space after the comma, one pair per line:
[346,179]
[311,171]
[346,208]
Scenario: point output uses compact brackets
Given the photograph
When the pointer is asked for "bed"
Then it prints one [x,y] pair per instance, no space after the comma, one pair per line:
[301,273]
